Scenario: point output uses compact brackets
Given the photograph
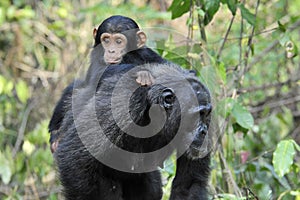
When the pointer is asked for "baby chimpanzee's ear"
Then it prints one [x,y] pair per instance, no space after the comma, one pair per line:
[141,39]
[95,33]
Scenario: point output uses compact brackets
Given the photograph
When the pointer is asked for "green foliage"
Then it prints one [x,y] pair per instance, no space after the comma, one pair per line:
[283,156]
[179,7]
[22,91]
[247,15]
[5,170]
[242,116]
[210,7]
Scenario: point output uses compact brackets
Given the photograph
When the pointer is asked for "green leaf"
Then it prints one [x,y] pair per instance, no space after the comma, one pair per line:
[2,83]
[2,16]
[22,91]
[224,107]
[284,39]
[179,7]
[28,147]
[5,171]
[211,7]
[200,12]
[6,86]
[247,15]
[243,116]
[232,4]
[296,145]
[283,157]
[238,128]
[221,70]
[281,27]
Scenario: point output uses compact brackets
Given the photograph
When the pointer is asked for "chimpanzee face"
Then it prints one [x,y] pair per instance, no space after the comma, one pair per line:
[200,133]
[114,47]
[193,114]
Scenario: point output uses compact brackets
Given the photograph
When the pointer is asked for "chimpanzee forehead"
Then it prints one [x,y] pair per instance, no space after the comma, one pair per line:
[118,28]
[117,24]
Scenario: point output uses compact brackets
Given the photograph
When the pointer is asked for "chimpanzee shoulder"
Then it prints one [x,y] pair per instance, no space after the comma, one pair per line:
[142,56]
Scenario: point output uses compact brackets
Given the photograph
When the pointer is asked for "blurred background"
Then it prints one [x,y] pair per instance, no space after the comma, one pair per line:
[245,51]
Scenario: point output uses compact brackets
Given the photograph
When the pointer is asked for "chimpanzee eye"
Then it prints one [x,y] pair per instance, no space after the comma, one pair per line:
[106,40]
[119,41]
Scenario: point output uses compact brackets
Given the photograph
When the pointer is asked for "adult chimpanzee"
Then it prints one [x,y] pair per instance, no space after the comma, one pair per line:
[107,149]
[118,39]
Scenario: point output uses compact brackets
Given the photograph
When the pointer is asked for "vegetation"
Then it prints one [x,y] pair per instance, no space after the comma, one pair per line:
[245,51]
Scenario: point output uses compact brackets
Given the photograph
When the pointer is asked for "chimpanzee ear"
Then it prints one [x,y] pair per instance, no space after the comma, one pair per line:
[95,33]
[141,39]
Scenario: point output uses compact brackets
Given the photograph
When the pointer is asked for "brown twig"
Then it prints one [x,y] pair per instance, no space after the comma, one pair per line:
[225,38]
[266,86]
[228,177]
[201,24]
[22,128]
[275,104]
[260,56]
[250,40]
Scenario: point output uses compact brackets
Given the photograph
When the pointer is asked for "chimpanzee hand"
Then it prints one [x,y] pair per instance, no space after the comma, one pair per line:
[144,78]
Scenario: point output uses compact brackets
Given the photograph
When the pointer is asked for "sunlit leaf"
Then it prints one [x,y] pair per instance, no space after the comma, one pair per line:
[232,4]
[2,16]
[2,83]
[27,12]
[22,91]
[5,171]
[200,12]
[211,7]
[243,116]
[247,15]
[179,7]
[221,70]
[28,147]
[11,12]
[62,12]
[283,157]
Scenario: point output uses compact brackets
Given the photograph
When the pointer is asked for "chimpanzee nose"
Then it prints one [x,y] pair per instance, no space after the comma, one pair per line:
[111,51]
[203,129]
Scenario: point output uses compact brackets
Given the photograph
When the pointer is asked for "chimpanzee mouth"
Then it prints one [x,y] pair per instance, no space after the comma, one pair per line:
[197,152]
[113,62]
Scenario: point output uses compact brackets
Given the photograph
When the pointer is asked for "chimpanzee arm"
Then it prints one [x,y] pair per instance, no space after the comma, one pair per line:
[63,105]
[191,179]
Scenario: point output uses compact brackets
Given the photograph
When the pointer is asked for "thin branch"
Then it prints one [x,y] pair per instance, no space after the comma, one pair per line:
[275,104]
[240,42]
[227,175]
[266,86]
[260,56]
[201,24]
[225,38]
[22,128]
[246,36]
[250,40]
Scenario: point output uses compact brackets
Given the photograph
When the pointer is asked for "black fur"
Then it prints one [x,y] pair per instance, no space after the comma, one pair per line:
[85,178]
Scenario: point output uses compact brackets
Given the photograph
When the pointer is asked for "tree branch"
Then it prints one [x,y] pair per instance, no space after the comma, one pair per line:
[22,128]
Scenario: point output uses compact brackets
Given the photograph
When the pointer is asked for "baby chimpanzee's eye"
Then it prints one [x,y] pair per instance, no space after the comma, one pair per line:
[119,41]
